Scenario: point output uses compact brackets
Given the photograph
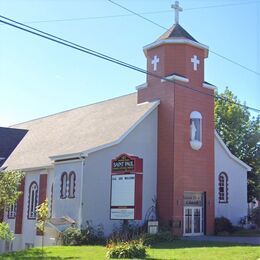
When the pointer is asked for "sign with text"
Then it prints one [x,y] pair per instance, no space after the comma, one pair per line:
[127,163]
[126,188]
[122,213]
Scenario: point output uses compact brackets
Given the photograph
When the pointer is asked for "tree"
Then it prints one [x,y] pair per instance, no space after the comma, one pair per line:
[42,217]
[241,134]
[9,193]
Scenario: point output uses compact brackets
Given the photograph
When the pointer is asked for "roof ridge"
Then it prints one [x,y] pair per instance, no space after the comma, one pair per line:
[71,109]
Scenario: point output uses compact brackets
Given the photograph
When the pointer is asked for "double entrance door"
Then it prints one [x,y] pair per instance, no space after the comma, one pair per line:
[193,221]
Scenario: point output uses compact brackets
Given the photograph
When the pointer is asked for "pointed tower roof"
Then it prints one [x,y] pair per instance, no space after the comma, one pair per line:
[176,31]
[176,35]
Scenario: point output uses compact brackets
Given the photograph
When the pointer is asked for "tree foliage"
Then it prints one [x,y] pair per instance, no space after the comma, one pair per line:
[9,183]
[241,133]
[42,215]
[5,232]
[9,193]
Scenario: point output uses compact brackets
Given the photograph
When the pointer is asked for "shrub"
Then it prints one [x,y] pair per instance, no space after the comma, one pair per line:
[86,236]
[72,237]
[91,236]
[255,216]
[131,231]
[151,239]
[131,249]
[223,225]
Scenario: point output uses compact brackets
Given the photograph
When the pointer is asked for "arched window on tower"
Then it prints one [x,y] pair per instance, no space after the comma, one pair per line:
[223,187]
[63,185]
[195,130]
[72,184]
[32,200]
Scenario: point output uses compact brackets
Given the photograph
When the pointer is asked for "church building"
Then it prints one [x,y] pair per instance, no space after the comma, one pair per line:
[164,131]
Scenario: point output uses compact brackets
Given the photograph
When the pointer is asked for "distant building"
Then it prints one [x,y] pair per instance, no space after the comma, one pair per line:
[9,139]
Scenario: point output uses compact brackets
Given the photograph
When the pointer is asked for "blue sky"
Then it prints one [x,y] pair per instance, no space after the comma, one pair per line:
[38,77]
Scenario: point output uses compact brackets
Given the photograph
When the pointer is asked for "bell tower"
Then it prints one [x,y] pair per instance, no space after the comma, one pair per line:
[185,173]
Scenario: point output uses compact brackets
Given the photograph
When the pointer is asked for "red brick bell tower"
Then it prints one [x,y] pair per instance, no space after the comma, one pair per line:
[185,174]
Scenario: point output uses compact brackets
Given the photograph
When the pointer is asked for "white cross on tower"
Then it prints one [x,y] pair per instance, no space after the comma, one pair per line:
[195,62]
[177,10]
[154,62]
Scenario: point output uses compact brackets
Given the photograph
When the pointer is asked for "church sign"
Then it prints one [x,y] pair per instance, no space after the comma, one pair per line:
[127,163]
[126,188]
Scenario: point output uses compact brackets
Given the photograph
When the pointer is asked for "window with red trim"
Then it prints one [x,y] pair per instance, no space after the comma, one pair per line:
[32,200]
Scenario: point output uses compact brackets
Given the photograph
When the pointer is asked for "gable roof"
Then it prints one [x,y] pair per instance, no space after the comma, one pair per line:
[77,130]
[232,156]
[176,31]
[9,139]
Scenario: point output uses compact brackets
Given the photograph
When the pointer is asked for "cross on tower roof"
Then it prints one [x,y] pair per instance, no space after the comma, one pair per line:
[177,10]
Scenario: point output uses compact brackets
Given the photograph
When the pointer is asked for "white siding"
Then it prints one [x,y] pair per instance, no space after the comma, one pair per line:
[142,142]
[69,206]
[237,186]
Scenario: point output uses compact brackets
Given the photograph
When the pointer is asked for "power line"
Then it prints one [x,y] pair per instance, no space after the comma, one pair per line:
[142,13]
[214,52]
[105,57]
[222,5]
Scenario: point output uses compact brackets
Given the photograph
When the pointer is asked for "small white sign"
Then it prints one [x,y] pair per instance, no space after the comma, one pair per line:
[122,214]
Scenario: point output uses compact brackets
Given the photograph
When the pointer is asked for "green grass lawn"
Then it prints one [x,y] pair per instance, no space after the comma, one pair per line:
[175,250]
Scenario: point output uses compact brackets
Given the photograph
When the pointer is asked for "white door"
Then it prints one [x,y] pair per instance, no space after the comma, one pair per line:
[193,221]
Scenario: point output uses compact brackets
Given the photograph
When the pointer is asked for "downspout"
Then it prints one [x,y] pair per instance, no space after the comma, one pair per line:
[81,190]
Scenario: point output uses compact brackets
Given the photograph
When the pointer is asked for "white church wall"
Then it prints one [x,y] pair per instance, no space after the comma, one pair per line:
[236,207]
[142,142]
[28,235]
[29,229]
[67,206]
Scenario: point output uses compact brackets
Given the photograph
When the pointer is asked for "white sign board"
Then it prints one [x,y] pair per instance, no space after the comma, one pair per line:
[122,213]
[122,195]
[123,190]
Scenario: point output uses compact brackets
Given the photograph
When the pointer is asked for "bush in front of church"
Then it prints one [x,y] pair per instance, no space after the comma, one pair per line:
[129,249]
[255,216]
[72,237]
[223,226]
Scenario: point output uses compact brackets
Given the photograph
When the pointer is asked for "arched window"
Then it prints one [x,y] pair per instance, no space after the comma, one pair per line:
[63,185]
[72,184]
[195,130]
[32,200]
[223,187]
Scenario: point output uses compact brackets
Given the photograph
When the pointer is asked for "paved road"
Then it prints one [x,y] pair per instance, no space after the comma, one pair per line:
[236,240]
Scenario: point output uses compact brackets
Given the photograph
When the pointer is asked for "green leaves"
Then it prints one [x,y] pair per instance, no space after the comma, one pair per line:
[241,134]
[5,232]
[42,215]
[9,183]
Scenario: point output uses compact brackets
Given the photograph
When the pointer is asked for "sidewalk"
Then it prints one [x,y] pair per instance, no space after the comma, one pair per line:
[235,240]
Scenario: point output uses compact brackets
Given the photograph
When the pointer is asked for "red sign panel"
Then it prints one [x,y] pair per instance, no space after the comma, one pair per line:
[126,187]
[127,163]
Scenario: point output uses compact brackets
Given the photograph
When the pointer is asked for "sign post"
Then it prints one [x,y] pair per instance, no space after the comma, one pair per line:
[126,188]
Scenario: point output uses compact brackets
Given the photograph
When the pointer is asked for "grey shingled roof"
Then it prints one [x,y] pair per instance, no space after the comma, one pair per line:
[9,139]
[76,130]
[176,31]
